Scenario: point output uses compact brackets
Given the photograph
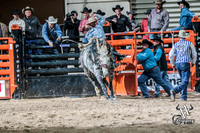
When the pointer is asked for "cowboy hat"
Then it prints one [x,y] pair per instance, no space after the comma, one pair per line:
[92,20]
[185,3]
[117,7]
[148,11]
[145,41]
[131,12]
[159,2]
[85,9]
[72,12]
[100,12]
[52,20]
[183,34]
[15,12]
[156,37]
[27,8]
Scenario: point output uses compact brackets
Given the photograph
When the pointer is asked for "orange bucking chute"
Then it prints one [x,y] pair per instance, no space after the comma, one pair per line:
[126,74]
[7,69]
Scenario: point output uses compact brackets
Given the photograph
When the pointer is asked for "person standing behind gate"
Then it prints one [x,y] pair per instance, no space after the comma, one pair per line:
[144,24]
[119,21]
[185,18]
[3,29]
[83,27]
[17,20]
[160,57]
[71,24]
[159,18]
[52,33]
[151,70]
[182,52]
[33,29]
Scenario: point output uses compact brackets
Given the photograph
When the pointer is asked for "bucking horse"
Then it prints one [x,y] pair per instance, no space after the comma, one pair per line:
[97,73]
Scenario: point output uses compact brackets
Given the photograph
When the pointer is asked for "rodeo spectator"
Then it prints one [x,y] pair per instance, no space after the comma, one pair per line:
[185,18]
[160,57]
[3,29]
[134,22]
[182,52]
[17,20]
[119,21]
[33,26]
[159,18]
[151,70]
[71,24]
[144,24]
[33,29]
[83,27]
[52,33]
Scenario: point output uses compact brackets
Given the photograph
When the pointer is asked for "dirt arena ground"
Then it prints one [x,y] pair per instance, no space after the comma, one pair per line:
[93,115]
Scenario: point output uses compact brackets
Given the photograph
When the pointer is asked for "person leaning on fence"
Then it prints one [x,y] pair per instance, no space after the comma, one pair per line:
[159,18]
[185,18]
[151,70]
[144,24]
[182,53]
[52,33]
[160,57]
[83,27]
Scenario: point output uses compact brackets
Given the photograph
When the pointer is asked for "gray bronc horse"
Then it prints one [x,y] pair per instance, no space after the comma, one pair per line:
[97,73]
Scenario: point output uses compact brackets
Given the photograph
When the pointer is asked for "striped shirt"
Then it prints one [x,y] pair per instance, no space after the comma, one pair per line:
[182,50]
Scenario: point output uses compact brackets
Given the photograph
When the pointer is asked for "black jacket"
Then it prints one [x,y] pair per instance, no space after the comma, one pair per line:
[72,29]
[121,24]
[162,63]
[33,27]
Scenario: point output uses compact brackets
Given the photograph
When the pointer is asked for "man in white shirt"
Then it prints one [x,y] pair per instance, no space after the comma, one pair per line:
[182,53]
[17,20]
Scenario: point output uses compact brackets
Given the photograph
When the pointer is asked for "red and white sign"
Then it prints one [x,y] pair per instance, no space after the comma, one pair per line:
[2,88]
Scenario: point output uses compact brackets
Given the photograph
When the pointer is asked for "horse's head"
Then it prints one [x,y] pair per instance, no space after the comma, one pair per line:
[104,58]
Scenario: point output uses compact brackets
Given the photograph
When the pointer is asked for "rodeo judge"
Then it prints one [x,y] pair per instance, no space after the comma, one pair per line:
[151,70]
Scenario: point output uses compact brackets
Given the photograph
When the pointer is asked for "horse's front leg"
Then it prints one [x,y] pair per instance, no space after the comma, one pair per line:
[102,84]
[110,86]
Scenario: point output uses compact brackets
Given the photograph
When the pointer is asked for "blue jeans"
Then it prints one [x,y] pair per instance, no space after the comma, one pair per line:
[156,76]
[184,72]
[165,77]
[151,36]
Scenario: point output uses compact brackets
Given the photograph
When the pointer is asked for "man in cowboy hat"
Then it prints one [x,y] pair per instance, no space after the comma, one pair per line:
[119,21]
[185,18]
[144,24]
[83,27]
[160,57]
[17,20]
[33,26]
[151,70]
[182,52]
[134,22]
[159,18]
[51,32]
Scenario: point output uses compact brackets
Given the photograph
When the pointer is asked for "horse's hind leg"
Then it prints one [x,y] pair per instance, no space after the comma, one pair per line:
[103,87]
